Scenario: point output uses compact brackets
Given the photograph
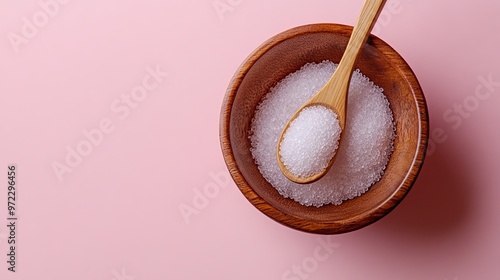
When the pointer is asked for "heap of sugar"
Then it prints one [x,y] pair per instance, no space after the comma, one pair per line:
[367,141]
[310,141]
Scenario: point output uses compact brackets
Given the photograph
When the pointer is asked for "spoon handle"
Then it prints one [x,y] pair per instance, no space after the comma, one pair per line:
[340,80]
[369,14]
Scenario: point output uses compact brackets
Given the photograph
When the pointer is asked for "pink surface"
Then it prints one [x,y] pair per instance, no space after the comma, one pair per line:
[77,70]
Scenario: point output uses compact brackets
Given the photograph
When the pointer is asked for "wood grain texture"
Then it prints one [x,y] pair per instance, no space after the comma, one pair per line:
[286,53]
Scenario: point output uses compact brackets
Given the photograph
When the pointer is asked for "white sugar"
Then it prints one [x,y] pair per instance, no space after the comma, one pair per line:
[310,142]
[367,141]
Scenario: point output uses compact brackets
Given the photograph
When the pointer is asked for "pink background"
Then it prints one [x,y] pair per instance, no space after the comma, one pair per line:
[116,215]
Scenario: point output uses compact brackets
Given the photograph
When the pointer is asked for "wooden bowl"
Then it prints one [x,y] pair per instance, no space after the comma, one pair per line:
[286,53]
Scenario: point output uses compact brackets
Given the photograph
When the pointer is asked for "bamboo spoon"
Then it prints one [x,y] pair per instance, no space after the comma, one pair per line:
[333,95]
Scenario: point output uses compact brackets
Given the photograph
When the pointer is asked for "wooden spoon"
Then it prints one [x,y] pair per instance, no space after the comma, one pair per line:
[333,95]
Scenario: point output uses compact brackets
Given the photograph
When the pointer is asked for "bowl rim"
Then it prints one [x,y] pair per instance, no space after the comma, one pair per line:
[323,227]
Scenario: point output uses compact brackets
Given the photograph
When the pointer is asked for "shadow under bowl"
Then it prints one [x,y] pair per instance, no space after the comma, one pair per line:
[287,52]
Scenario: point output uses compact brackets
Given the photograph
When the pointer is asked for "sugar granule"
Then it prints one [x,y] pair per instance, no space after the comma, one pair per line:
[310,141]
[367,141]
